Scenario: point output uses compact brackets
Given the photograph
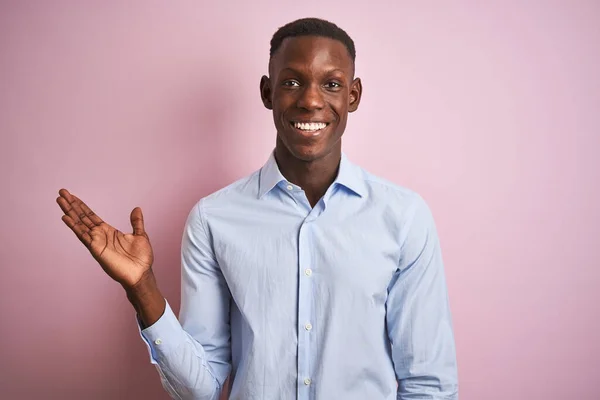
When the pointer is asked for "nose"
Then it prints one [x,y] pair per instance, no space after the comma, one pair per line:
[310,98]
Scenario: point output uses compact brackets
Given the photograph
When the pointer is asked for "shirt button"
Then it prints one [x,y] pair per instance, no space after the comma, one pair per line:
[157,341]
[308,272]
[289,187]
[307,381]
[308,326]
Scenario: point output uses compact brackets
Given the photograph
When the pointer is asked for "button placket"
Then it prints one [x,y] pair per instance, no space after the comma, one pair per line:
[304,309]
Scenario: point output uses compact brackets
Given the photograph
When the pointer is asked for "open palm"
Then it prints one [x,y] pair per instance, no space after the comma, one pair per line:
[124,257]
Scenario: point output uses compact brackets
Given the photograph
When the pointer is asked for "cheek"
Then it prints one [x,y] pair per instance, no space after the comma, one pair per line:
[278,112]
[340,108]
[282,105]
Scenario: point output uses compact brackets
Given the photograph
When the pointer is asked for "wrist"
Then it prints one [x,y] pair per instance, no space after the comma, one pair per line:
[145,285]
[146,298]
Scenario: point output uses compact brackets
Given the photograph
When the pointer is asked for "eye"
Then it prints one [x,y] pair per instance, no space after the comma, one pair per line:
[291,83]
[333,85]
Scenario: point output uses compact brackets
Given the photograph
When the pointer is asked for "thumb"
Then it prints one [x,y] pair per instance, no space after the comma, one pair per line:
[137,221]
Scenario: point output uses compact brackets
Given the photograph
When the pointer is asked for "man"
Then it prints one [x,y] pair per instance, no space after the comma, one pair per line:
[309,279]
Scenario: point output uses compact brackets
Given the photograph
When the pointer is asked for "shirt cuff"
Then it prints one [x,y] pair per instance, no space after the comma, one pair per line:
[164,336]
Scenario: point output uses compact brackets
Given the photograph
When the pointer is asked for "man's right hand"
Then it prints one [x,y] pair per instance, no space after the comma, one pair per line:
[127,258]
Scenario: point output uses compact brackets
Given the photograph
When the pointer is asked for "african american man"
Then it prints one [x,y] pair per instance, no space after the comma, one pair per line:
[309,279]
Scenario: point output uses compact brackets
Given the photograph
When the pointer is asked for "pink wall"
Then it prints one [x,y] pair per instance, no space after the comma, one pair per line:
[491,112]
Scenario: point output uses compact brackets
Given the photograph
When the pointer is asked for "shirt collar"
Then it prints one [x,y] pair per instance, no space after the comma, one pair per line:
[270,176]
[349,175]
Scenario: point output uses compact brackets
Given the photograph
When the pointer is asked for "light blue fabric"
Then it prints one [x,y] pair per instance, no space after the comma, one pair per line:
[346,300]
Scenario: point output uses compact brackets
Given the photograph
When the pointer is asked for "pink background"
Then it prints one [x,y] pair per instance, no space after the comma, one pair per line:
[491,112]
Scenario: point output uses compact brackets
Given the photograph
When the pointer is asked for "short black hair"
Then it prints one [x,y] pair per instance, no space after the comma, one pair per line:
[312,27]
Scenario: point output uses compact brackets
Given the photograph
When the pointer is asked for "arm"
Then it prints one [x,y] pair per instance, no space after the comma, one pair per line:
[193,358]
[418,314]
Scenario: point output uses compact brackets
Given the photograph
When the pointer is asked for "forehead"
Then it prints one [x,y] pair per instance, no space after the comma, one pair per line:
[311,52]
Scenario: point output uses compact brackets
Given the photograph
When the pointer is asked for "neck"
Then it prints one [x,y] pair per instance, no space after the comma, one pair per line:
[314,176]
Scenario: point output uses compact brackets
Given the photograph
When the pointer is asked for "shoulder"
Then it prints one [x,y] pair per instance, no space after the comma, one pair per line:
[233,195]
[408,209]
[397,196]
[401,206]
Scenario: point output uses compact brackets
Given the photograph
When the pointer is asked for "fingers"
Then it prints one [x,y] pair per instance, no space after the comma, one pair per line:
[77,210]
[65,193]
[75,222]
[76,206]
[137,221]
[89,213]
[80,230]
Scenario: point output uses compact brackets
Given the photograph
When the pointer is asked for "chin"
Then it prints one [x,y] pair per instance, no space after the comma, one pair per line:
[307,149]
[308,152]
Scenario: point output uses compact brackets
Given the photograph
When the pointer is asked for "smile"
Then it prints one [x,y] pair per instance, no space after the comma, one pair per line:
[313,128]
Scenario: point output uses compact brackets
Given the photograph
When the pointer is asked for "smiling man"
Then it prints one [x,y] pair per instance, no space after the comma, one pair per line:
[309,279]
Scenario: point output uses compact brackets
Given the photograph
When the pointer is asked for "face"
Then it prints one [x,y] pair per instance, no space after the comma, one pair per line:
[311,89]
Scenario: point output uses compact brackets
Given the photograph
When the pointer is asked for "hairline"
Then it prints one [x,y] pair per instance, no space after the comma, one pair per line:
[317,35]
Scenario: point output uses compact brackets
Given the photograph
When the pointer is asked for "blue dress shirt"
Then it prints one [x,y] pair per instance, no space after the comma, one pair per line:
[346,300]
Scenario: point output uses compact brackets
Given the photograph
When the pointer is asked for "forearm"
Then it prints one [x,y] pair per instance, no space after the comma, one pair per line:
[147,299]
[192,352]
[185,367]
[182,361]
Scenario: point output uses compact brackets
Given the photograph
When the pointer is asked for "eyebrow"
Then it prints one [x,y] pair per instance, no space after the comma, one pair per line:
[329,71]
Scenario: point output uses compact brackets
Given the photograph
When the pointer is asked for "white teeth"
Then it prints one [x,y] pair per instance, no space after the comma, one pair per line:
[309,126]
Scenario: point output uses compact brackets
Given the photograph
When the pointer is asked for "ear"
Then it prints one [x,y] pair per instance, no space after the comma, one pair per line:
[266,92]
[355,95]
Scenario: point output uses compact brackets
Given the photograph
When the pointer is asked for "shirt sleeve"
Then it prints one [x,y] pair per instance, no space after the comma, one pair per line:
[192,354]
[418,314]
